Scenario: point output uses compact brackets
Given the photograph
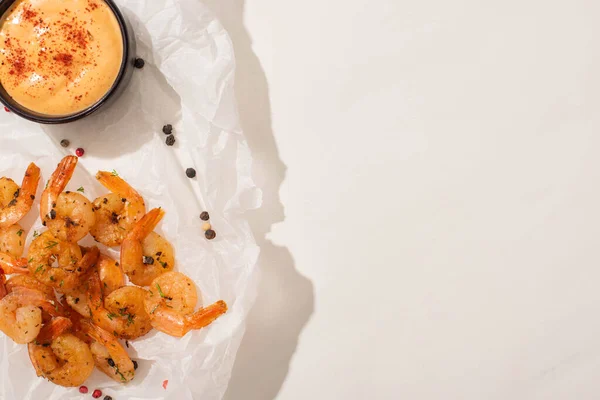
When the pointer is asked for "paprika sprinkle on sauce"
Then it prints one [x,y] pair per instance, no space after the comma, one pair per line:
[58,57]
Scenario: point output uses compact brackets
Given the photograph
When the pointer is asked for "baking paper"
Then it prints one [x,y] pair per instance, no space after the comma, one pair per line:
[187,82]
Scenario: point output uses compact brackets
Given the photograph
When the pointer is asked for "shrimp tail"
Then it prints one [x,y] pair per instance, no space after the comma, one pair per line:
[146,225]
[89,259]
[53,329]
[57,183]
[24,199]
[95,292]
[96,333]
[30,184]
[206,316]
[30,180]
[116,184]
[11,265]
[3,289]
[37,298]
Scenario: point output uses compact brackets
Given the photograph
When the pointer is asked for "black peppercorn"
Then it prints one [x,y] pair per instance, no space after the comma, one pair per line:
[210,234]
[65,143]
[139,63]
[52,214]
[108,398]
[148,260]
[135,364]
[190,172]
[204,216]
[170,140]
[168,129]
[110,362]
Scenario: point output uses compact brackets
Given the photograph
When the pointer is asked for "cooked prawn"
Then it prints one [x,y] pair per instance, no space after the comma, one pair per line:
[12,240]
[3,288]
[122,312]
[109,355]
[53,329]
[111,274]
[16,202]
[116,212]
[20,314]
[170,303]
[78,301]
[27,281]
[78,298]
[46,361]
[145,254]
[111,278]
[72,262]
[12,265]
[68,360]
[68,215]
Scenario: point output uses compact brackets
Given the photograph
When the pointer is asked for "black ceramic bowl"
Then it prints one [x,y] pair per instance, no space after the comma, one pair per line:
[123,78]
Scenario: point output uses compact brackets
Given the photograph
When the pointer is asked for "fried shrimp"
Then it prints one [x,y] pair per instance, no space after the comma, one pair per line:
[12,240]
[72,262]
[145,254]
[12,265]
[20,314]
[111,274]
[69,216]
[3,288]
[122,312]
[68,360]
[109,355]
[16,202]
[116,212]
[111,279]
[53,329]
[170,304]
[78,301]
[27,281]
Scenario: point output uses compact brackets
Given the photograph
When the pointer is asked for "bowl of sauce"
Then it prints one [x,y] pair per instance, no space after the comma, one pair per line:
[62,60]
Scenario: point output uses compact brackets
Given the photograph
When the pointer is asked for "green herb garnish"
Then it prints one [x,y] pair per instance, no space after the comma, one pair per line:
[51,244]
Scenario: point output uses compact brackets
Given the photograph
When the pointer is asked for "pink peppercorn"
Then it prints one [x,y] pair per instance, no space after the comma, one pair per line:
[6,109]
[83,389]
[97,393]
[79,152]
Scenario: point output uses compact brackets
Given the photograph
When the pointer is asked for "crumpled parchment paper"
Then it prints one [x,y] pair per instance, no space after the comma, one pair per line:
[187,82]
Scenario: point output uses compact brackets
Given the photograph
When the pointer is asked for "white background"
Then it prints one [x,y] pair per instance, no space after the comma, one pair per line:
[432,206]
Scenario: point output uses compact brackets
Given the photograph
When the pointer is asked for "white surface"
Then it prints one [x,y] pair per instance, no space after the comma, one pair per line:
[432,218]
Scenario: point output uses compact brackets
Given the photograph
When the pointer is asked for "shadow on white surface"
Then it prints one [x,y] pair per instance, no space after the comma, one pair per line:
[285,298]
